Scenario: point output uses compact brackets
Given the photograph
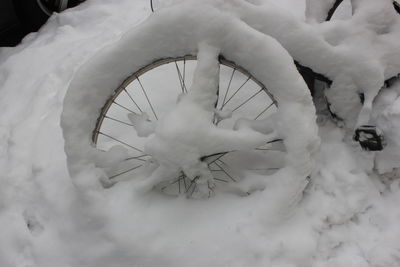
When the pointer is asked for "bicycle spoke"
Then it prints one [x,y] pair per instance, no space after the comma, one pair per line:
[148,100]
[134,102]
[275,140]
[267,169]
[223,162]
[192,182]
[119,141]
[181,81]
[179,77]
[184,72]
[194,188]
[247,100]
[173,183]
[221,180]
[113,119]
[230,98]
[210,189]
[215,170]
[179,185]
[124,107]
[137,158]
[262,112]
[224,171]
[265,149]
[184,181]
[177,180]
[121,173]
[227,89]
[220,156]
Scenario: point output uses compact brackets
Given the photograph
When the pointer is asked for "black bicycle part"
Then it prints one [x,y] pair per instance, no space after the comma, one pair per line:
[337,3]
[369,137]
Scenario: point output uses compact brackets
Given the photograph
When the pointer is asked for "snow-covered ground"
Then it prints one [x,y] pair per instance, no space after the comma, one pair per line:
[348,215]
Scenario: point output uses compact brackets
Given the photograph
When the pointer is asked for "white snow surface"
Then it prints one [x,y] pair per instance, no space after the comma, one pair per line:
[348,215]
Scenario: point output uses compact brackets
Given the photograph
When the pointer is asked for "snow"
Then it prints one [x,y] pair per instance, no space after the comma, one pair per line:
[348,215]
[316,11]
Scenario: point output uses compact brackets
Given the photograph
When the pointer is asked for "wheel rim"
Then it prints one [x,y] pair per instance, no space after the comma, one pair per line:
[239,92]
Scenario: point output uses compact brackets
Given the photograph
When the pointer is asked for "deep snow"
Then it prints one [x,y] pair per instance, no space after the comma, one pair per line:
[348,216]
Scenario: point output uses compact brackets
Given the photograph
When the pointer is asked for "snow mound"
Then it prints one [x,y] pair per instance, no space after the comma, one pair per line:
[348,216]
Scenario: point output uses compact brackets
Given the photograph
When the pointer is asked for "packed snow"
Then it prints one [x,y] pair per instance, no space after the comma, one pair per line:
[55,209]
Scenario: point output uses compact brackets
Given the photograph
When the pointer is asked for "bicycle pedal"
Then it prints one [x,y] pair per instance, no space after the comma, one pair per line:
[370,138]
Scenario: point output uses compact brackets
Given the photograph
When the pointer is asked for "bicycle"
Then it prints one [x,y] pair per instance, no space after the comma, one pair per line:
[169,149]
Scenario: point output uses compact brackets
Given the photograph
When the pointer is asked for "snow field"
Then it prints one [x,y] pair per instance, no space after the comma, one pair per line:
[348,216]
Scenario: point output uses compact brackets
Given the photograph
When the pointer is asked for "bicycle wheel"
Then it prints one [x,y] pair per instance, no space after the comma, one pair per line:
[140,67]
[151,91]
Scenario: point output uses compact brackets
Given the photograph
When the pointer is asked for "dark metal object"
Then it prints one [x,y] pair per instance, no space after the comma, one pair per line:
[20,17]
[333,9]
[396,6]
[151,6]
[389,82]
[11,30]
[370,138]
[362,97]
[335,117]
[310,76]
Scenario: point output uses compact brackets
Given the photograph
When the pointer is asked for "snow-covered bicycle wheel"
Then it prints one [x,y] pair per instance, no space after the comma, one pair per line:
[114,86]
[155,89]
